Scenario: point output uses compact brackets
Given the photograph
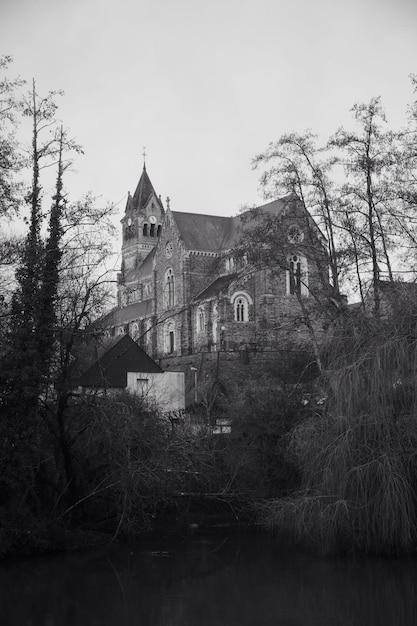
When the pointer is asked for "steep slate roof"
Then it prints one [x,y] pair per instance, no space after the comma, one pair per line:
[213,233]
[123,315]
[145,268]
[203,232]
[216,286]
[110,370]
[143,192]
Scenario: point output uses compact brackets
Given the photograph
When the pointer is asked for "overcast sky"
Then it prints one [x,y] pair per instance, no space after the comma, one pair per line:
[205,85]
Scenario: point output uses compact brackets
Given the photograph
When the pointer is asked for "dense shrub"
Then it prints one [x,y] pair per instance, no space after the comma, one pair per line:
[358,458]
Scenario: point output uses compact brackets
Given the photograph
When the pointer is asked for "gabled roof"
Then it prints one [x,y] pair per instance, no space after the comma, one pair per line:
[110,370]
[214,233]
[143,192]
[218,285]
[122,315]
[203,232]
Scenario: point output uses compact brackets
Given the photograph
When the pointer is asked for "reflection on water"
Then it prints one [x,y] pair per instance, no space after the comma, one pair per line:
[240,580]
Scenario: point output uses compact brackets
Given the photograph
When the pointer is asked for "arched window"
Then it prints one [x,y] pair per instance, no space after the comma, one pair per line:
[169,288]
[145,229]
[135,330]
[158,230]
[201,319]
[241,301]
[215,322]
[241,307]
[152,231]
[169,337]
[230,264]
[147,290]
[297,276]
[148,332]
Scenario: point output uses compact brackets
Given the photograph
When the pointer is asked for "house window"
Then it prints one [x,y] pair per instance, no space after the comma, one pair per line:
[169,288]
[142,386]
[145,230]
[297,276]
[201,320]
[241,302]
[170,338]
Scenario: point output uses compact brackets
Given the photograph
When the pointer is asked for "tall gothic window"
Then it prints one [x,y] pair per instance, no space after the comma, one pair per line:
[215,321]
[148,332]
[297,276]
[169,337]
[201,319]
[169,288]
[145,230]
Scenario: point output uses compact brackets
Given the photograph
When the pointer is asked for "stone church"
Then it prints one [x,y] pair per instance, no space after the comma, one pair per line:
[182,290]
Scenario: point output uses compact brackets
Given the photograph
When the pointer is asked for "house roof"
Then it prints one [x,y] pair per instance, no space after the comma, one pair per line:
[397,287]
[218,285]
[214,233]
[122,315]
[110,370]
[143,192]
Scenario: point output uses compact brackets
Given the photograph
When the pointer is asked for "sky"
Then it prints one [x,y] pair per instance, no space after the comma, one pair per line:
[205,85]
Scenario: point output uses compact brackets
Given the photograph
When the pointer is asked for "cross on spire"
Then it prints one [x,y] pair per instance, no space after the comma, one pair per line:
[168,200]
[144,157]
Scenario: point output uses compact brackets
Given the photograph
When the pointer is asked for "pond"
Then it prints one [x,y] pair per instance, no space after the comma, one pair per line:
[235,580]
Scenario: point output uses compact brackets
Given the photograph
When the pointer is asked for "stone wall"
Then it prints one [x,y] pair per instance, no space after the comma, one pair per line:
[234,367]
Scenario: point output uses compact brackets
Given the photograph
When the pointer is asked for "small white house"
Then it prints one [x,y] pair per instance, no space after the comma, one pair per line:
[167,390]
[125,366]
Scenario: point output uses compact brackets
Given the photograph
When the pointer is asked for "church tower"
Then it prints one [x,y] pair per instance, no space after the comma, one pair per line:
[141,224]
[141,227]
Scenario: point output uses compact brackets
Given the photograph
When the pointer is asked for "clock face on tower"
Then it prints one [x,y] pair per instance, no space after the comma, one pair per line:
[129,221]
[152,219]
[168,250]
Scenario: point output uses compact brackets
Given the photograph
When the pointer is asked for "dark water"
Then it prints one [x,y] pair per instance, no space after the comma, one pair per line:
[217,581]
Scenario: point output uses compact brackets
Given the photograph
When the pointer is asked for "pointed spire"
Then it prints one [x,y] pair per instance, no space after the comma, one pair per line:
[143,192]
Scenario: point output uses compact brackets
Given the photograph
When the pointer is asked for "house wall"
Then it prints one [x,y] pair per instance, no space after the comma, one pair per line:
[166,390]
